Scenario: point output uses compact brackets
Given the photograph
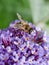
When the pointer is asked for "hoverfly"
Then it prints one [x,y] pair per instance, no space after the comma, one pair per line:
[23,25]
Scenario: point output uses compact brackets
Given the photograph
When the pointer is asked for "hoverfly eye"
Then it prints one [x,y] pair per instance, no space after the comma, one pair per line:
[30,30]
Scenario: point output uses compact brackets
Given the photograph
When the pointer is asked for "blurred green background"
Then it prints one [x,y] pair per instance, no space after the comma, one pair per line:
[9,8]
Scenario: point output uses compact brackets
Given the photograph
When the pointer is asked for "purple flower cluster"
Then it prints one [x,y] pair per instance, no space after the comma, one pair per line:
[18,47]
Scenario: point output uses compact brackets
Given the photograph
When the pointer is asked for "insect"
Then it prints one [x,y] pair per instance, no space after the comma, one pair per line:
[23,25]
